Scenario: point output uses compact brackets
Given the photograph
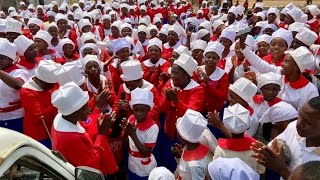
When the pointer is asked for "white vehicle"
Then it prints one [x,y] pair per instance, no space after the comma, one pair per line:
[22,157]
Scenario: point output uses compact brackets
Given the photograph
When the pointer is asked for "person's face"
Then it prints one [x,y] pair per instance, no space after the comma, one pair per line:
[5,62]
[172,20]
[206,38]
[153,33]
[131,11]
[272,17]
[231,17]
[68,50]
[40,11]
[270,91]
[126,32]
[211,60]
[142,36]
[142,12]
[11,36]
[132,85]
[197,54]
[226,42]
[257,30]
[163,38]
[70,17]
[263,48]
[113,18]
[233,99]
[86,29]
[238,51]
[175,55]
[88,50]
[140,112]
[31,10]
[288,20]
[309,14]
[123,54]
[31,52]
[220,29]
[172,37]
[154,53]
[41,44]
[124,11]
[44,85]
[282,17]
[62,24]
[268,31]
[34,29]
[55,9]
[297,43]
[114,31]
[83,112]
[92,69]
[289,66]
[308,122]
[178,76]
[53,31]
[106,23]
[278,46]
[51,19]
[181,140]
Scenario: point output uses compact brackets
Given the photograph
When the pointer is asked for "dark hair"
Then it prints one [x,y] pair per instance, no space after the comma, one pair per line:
[310,170]
[315,103]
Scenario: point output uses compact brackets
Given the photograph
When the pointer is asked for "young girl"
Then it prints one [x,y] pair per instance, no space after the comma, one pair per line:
[227,38]
[52,29]
[197,50]
[174,33]
[68,49]
[263,45]
[143,132]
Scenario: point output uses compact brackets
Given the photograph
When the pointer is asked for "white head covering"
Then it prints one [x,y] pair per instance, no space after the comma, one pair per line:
[264,38]
[258,5]
[13,14]
[84,22]
[187,63]
[22,43]
[201,33]
[116,24]
[260,14]
[8,49]
[13,25]
[240,10]
[35,21]
[106,16]
[161,173]
[279,112]
[231,169]
[273,10]
[199,44]
[295,13]
[229,34]
[45,71]
[156,19]
[244,88]
[141,96]
[155,42]
[131,70]
[261,24]
[191,126]
[143,28]
[69,72]
[125,25]
[65,41]
[119,44]
[307,36]
[53,24]
[215,47]
[216,24]
[313,9]
[283,34]
[270,26]
[51,13]
[269,78]
[2,25]
[304,58]
[89,58]
[233,10]
[44,35]
[296,26]
[236,118]
[176,29]
[60,16]
[182,50]
[87,36]
[69,98]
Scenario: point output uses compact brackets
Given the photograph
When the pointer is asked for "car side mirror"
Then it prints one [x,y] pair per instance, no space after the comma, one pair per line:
[87,173]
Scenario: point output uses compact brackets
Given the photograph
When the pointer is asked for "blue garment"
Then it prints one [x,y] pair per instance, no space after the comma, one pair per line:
[13,124]
[133,176]
[46,143]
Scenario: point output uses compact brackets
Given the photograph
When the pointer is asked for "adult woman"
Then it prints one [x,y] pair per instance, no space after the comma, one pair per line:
[174,33]
[43,39]
[68,48]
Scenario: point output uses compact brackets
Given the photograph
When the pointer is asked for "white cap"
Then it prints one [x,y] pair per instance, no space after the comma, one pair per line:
[8,49]
[261,24]
[269,78]
[143,7]
[65,41]
[51,13]
[157,19]
[270,26]
[131,70]
[244,88]
[87,36]
[215,47]
[125,25]
[304,18]
[53,24]
[233,10]
[44,35]
[69,98]
[264,38]
[143,28]
[284,11]
[290,6]
[199,44]
[295,13]
[35,21]
[119,44]
[55,3]
[191,126]
[187,63]
[215,18]
[151,27]
[84,22]
[106,16]
[13,14]
[236,118]
[116,24]
[283,34]
[155,42]
[69,72]
[258,5]
[260,14]
[45,71]
[201,33]
[60,16]
[13,25]
[182,50]
[3,25]
[229,34]
[22,43]
[216,24]
[250,42]
[240,10]
[296,26]
[304,58]
[273,10]
[31,6]
[279,112]
[89,58]
[307,36]
[161,173]
[175,28]
[313,9]
[141,96]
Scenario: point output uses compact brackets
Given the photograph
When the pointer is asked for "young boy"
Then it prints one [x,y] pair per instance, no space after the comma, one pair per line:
[237,120]
[143,132]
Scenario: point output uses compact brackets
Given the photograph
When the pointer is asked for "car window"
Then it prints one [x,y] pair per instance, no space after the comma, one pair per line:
[28,168]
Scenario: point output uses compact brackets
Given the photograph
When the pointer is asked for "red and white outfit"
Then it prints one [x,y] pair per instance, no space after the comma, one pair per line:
[25,65]
[154,77]
[147,133]
[260,106]
[226,63]
[167,50]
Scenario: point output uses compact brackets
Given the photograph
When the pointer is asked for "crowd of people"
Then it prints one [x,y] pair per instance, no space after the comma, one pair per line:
[153,89]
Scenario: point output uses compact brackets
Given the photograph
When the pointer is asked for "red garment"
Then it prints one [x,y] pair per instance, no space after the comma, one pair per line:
[116,146]
[268,59]
[300,83]
[53,57]
[74,58]
[40,106]
[164,12]
[214,38]
[222,63]
[27,33]
[115,76]
[192,98]
[282,25]
[206,12]
[87,148]
[153,76]
[236,144]
[313,24]
[166,53]
[26,64]
[74,38]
